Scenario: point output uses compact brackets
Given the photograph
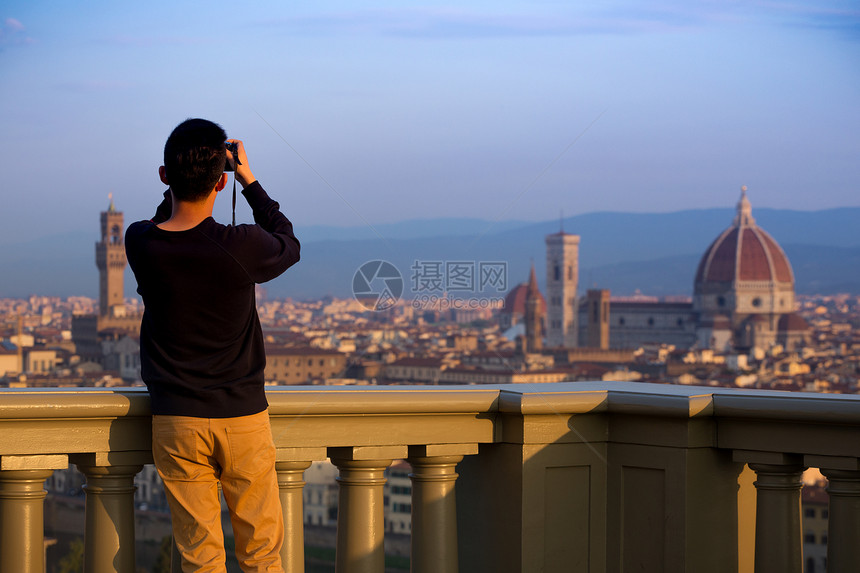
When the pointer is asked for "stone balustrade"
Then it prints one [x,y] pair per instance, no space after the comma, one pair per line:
[597,477]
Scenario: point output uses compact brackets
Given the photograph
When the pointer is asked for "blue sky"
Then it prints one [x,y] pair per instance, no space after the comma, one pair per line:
[358,112]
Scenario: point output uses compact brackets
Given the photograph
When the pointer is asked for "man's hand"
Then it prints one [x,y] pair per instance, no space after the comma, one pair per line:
[243,172]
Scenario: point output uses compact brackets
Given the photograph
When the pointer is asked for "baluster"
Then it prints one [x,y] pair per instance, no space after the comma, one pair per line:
[778,535]
[360,518]
[843,525]
[109,518]
[290,484]
[22,520]
[434,512]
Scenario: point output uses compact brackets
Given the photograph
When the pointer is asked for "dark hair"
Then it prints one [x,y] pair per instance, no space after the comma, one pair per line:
[194,158]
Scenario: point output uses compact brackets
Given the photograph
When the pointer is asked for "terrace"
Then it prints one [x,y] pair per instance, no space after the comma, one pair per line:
[597,477]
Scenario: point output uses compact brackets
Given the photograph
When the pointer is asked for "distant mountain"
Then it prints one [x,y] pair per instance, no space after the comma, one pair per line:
[654,253]
[817,270]
[411,229]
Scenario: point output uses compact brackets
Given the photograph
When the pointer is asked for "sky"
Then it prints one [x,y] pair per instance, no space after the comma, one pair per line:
[362,113]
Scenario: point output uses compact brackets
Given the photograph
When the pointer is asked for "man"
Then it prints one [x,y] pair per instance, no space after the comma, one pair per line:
[202,353]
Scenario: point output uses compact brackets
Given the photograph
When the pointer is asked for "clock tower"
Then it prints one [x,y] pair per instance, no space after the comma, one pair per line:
[110,260]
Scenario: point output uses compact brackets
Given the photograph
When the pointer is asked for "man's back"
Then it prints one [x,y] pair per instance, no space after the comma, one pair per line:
[201,345]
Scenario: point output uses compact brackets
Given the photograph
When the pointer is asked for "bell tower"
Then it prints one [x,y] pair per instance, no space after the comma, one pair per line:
[562,276]
[110,260]
[534,316]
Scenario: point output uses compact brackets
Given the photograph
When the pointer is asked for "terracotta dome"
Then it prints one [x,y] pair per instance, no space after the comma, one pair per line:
[515,301]
[744,253]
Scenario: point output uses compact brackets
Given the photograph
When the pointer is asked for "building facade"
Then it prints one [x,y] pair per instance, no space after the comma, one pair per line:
[303,365]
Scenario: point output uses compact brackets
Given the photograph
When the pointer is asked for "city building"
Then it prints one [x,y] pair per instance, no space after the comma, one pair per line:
[743,299]
[562,278]
[744,286]
[815,507]
[303,365]
[88,330]
[534,319]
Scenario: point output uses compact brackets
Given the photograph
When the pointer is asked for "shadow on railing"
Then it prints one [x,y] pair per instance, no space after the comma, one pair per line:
[597,477]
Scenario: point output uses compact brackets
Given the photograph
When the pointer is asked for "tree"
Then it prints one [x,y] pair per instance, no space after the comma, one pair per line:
[73,562]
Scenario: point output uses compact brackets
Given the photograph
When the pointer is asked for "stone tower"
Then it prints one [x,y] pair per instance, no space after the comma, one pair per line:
[110,260]
[562,276]
[534,316]
[597,329]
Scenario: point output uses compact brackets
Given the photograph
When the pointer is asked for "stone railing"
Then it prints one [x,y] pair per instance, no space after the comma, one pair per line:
[597,477]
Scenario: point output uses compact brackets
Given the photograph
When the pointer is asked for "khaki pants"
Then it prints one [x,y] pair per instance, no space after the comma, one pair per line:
[192,455]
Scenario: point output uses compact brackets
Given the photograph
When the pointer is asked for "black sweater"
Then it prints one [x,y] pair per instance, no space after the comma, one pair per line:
[201,345]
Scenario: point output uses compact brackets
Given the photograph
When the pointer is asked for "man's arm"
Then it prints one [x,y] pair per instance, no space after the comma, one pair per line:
[278,248]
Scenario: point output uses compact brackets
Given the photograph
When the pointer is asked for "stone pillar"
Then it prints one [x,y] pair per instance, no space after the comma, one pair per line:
[360,517]
[434,514]
[109,518]
[22,520]
[290,484]
[778,534]
[843,526]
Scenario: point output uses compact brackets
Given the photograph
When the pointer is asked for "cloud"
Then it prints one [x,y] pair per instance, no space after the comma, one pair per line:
[465,23]
[619,17]
[151,41]
[95,85]
[12,33]
[837,16]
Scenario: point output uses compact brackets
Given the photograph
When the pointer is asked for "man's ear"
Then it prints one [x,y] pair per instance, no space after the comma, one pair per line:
[162,174]
[221,182]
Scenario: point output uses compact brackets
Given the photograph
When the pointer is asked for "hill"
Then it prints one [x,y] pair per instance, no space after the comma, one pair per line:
[655,253]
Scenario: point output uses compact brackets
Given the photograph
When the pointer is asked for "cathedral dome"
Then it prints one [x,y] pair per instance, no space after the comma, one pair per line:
[515,301]
[744,253]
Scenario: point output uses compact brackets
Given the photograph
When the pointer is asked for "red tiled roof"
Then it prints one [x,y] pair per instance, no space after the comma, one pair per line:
[515,300]
[744,254]
[792,322]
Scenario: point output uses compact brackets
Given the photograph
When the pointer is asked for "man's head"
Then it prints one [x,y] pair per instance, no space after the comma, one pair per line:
[194,159]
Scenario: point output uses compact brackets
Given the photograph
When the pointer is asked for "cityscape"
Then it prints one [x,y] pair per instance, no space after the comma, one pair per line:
[743,327]
[540,323]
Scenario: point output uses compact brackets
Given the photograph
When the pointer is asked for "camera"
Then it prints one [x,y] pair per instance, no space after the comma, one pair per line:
[233,148]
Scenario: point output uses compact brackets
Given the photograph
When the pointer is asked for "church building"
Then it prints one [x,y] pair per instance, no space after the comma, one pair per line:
[743,298]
